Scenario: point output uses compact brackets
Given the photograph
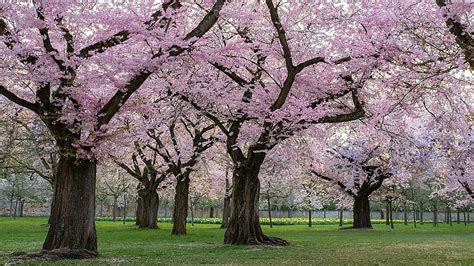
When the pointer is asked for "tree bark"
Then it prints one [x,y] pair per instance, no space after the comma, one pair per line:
[387,215]
[244,226]
[180,211]
[147,210]
[73,216]
[226,212]
[361,212]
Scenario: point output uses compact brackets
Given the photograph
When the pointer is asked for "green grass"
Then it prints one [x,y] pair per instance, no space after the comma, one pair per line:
[323,244]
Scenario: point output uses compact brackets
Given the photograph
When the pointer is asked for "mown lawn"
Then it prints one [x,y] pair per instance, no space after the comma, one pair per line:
[323,244]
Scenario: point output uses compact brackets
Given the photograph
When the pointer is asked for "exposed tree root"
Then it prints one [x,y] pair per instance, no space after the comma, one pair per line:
[55,254]
[356,228]
[260,240]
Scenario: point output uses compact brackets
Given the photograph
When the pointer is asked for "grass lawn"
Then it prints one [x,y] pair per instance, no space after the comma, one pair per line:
[322,244]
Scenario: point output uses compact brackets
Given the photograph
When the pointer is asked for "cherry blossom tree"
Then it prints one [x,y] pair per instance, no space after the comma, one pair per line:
[358,162]
[292,66]
[75,65]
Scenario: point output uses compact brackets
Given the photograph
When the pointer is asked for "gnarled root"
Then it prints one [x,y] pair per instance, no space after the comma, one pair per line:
[55,254]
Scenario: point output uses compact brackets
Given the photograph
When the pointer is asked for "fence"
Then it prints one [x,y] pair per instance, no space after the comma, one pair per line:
[42,209]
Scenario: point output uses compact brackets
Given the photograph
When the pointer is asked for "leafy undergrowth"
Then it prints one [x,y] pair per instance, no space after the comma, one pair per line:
[324,244]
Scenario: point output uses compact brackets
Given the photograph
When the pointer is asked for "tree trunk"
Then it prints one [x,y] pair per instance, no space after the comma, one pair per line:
[114,210]
[11,205]
[465,221]
[244,226]
[137,212]
[387,211]
[450,218]
[269,207]
[180,211]
[192,211]
[15,213]
[341,214]
[227,197]
[124,208]
[226,212]
[22,204]
[211,212]
[147,210]
[458,215]
[405,217]
[310,218]
[414,218]
[361,212]
[381,215]
[391,214]
[73,216]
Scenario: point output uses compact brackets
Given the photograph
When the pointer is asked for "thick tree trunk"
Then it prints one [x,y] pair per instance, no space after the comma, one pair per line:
[387,215]
[147,210]
[211,212]
[180,211]
[361,212]
[226,212]
[73,214]
[244,226]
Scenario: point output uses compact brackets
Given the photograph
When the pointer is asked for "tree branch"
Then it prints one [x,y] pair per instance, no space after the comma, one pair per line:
[12,97]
